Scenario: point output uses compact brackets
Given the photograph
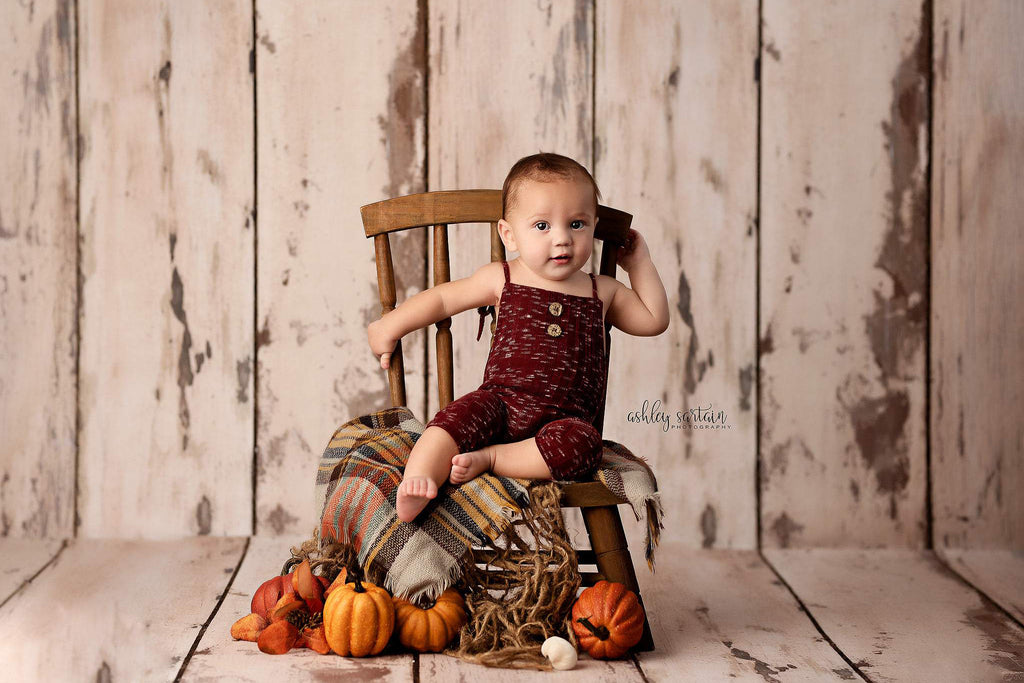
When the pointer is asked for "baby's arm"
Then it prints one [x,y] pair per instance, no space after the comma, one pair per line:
[642,310]
[432,305]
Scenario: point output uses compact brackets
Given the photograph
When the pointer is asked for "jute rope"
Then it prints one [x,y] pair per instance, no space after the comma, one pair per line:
[522,596]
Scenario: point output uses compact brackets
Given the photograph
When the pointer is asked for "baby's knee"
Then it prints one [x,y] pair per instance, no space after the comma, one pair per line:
[571,448]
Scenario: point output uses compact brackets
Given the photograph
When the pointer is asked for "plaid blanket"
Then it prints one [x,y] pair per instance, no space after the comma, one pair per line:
[357,484]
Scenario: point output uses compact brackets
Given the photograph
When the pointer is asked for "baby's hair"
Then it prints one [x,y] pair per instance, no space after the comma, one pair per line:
[541,167]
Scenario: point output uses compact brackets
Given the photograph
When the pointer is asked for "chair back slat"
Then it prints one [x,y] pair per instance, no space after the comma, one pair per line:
[438,210]
[388,298]
[443,337]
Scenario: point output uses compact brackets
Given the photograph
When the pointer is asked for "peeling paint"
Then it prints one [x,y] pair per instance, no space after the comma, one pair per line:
[263,336]
[185,377]
[708,526]
[784,528]
[766,344]
[203,516]
[746,385]
[712,175]
[896,327]
[683,306]
[208,166]
[402,128]
[878,425]
[1004,645]
[243,370]
[280,519]
[761,668]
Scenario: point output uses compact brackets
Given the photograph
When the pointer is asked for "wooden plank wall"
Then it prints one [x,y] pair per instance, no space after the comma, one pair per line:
[38,293]
[844,217]
[978,276]
[167,237]
[329,140]
[776,155]
[676,141]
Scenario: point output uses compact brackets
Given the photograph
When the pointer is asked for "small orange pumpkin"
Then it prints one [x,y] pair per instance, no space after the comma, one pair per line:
[608,620]
[359,618]
[430,630]
[269,593]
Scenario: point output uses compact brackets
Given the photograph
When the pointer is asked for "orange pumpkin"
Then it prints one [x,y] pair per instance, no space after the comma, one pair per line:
[269,593]
[359,618]
[429,630]
[608,620]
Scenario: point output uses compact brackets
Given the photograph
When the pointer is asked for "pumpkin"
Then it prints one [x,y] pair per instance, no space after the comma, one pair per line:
[359,618]
[608,620]
[429,630]
[269,593]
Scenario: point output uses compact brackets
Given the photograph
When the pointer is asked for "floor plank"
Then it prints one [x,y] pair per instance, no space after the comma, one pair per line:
[723,615]
[115,609]
[997,573]
[218,656]
[20,559]
[446,668]
[900,615]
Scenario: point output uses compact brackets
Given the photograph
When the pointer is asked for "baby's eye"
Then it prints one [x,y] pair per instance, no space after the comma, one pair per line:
[541,225]
[578,225]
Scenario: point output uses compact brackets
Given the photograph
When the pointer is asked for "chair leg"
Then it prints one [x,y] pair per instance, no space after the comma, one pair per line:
[608,539]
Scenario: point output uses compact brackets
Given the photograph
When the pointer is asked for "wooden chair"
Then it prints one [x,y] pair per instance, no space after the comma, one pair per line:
[438,210]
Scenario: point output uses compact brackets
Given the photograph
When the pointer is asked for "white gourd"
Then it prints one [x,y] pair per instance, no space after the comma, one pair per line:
[560,652]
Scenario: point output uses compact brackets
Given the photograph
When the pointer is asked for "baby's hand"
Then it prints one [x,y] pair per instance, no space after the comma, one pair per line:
[381,343]
[633,252]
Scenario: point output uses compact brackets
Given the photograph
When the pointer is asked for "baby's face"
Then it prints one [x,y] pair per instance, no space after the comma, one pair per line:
[551,225]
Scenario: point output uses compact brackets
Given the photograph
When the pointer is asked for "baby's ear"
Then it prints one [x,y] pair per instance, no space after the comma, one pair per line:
[507,237]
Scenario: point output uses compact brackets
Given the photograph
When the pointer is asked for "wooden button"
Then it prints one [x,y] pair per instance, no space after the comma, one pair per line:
[555,308]
[554,330]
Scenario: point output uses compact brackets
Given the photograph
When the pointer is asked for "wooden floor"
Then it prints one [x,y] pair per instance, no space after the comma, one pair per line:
[111,610]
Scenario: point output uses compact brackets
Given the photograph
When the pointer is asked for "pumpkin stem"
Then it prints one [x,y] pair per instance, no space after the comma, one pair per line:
[359,585]
[600,631]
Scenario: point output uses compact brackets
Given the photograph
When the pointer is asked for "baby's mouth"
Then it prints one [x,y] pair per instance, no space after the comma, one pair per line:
[560,259]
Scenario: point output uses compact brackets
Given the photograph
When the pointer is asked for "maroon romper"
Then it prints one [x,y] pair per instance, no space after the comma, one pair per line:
[544,378]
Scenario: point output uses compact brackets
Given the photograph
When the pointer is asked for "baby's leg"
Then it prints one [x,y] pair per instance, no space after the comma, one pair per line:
[563,449]
[428,466]
[464,424]
[520,459]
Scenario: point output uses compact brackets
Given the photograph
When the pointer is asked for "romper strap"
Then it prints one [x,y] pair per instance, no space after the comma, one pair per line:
[504,264]
[593,282]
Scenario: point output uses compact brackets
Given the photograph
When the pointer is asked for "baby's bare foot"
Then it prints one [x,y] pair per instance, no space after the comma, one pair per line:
[466,466]
[413,495]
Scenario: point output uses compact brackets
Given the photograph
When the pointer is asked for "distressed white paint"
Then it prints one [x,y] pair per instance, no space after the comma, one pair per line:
[999,574]
[842,363]
[38,297]
[977,278]
[167,260]
[115,610]
[676,133]
[21,559]
[331,138]
[723,615]
[901,615]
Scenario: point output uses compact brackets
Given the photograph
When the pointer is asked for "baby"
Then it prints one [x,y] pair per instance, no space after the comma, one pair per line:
[544,380]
